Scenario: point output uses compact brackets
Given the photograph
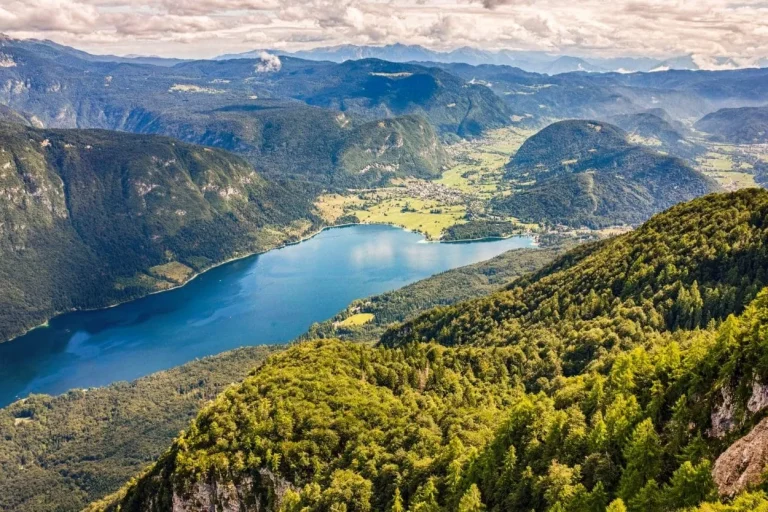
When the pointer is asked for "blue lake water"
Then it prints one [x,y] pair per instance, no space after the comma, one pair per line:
[264,299]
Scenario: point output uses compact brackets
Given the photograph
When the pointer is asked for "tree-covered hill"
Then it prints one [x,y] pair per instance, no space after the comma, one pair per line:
[653,129]
[746,125]
[589,173]
[611,380]
[89,218]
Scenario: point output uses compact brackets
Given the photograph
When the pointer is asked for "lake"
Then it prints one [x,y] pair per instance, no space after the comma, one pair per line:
[265,299]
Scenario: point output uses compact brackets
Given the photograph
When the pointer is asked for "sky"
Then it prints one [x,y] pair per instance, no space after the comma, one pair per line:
[706,29]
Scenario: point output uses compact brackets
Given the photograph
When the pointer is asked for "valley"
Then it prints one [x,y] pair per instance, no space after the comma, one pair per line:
[277,294]
[461,192]
[320,281]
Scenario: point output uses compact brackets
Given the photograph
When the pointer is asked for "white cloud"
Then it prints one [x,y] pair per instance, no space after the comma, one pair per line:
[716,33]
[269,63]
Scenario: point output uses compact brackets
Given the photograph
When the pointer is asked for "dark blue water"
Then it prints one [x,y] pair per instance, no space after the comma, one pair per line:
[270,298]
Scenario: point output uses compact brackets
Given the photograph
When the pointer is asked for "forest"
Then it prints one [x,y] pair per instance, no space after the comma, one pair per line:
[596,383]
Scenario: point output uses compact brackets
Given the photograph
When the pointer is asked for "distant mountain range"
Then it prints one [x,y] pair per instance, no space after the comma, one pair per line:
[533,61]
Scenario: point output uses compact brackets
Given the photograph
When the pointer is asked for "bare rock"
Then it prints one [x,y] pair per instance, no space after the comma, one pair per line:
[759,399]
[723,416]
[743,463]
[228,496]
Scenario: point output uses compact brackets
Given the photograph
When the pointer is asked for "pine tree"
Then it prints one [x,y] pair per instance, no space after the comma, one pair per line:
[471,501]
[397,502]
[616,505]
[643,456]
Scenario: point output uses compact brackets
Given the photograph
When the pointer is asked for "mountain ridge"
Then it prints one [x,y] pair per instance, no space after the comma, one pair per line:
[588,173]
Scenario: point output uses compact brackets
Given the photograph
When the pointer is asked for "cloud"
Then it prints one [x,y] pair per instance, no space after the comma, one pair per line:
[269,63]
[717,32]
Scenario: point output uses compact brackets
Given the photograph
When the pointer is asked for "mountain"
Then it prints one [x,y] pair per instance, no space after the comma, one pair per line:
[685,95]
[616,378]
[534,61]
[232,106]
[571,64]
[279,120]
[655,129]
[746,125]
[376,89]
[588,173]
[113,432]
[91,218]
[8,115]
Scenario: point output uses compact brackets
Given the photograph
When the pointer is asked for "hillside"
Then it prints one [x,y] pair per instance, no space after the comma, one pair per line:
[589,173]
[127,426]
[747,125]
[8,115]
[90,218]
[656,131]
[104,435]
[380,88]
[293,140]
[617,375]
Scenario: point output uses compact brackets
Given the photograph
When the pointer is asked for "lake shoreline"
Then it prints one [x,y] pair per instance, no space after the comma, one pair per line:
[273,298]
[306,237]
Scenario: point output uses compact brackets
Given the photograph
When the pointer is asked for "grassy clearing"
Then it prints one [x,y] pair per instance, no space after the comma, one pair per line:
[172,271]
[479,165]
[358,319]
[333,206]
[428,217]
[730,165]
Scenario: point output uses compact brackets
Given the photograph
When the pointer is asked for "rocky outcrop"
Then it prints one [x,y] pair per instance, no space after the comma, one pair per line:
[227,496]
[743,463]
[722,416]
[759,399]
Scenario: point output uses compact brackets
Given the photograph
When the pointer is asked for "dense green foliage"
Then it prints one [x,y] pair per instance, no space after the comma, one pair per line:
[746,125]
[60,453]
[347,424]
[588,173]
[587,386]
[697,262]
[439,290]
[85,214]
[479,230]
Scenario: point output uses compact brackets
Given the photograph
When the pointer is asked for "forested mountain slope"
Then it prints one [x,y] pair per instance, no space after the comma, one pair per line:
[88,218]
[109,434]
[613,378]
[652,129]
[746,125]
[589,173]
[103,436]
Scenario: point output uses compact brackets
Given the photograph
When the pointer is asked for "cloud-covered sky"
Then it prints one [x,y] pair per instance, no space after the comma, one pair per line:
[204,28]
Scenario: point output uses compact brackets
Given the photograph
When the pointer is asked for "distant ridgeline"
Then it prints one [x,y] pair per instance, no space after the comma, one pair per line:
[747,125]
[312,120]
[620,377]
[658,131]
[90,218]
[589,173]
